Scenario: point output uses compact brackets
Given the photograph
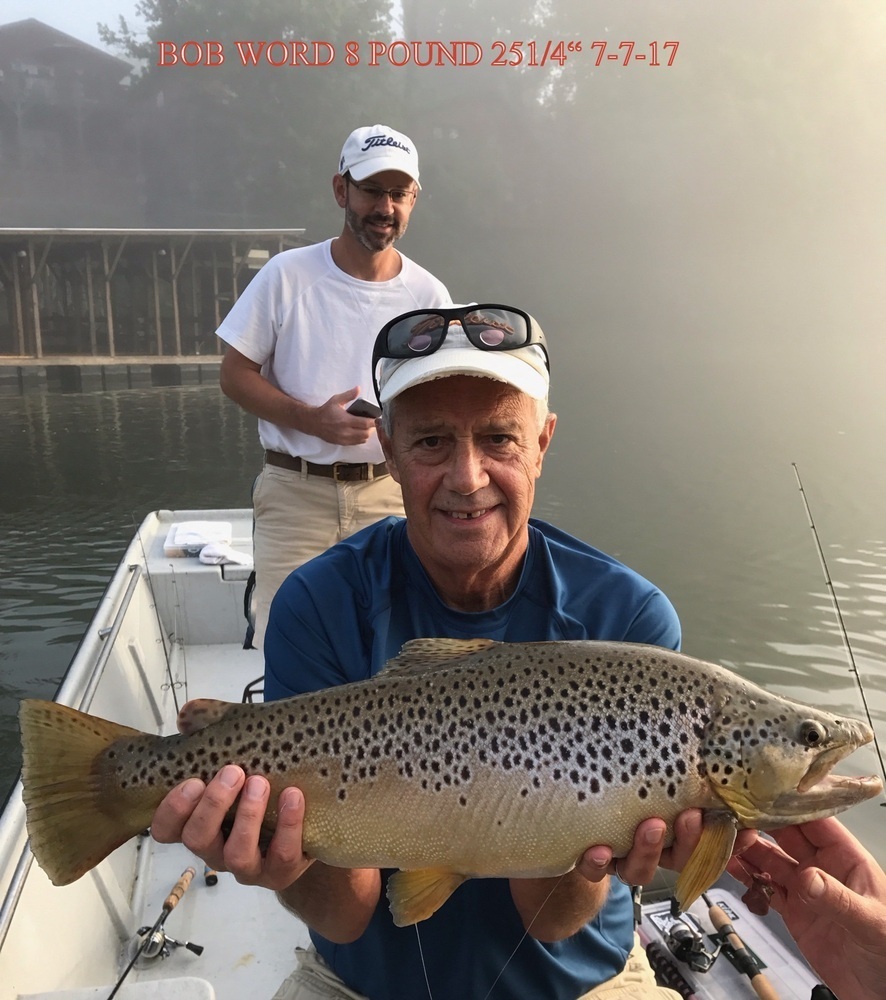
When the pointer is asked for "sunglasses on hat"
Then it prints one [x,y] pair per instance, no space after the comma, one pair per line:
[488,326]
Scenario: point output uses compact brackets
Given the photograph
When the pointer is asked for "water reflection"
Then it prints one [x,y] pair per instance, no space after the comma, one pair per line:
[861,597]
[80,472]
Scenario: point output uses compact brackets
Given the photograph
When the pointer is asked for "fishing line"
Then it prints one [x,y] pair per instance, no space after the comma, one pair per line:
[424,968]
[514,952]
[525,935]
[839,614]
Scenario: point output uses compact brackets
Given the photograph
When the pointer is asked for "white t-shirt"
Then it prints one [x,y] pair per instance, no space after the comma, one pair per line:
[311,327]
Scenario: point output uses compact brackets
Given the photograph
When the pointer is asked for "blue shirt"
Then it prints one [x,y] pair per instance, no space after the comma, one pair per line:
[340,618]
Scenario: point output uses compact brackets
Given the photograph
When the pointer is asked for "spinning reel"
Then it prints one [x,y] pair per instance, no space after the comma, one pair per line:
[151,943]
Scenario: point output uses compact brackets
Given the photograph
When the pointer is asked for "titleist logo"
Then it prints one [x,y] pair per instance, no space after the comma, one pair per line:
[384,140]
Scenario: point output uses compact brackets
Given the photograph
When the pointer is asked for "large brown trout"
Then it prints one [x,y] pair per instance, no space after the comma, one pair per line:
[464,759]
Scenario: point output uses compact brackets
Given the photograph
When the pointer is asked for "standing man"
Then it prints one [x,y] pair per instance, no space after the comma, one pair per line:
[299,342]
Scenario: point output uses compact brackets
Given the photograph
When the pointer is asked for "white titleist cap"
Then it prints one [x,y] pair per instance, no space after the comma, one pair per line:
[374,148]
[525,368]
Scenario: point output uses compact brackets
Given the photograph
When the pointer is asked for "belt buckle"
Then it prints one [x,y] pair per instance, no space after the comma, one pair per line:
[345,468]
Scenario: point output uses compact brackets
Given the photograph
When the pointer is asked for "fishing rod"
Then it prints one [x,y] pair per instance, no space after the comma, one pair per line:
[166,652]
[839,615]
[743,959]
[154,940]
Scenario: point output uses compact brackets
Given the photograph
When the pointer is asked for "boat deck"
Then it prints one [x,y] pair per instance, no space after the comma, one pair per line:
[249,939]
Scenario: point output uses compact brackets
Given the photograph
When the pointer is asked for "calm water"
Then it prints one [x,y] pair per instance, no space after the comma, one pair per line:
[684,474]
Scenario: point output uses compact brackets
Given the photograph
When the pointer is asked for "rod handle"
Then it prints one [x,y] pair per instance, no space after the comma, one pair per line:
[762,987]
[179,889]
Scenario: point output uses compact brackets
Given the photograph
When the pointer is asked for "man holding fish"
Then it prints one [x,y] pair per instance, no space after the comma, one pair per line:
[465,431]
[479,766]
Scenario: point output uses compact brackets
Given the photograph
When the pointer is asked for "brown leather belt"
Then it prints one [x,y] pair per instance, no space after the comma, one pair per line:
[342,472]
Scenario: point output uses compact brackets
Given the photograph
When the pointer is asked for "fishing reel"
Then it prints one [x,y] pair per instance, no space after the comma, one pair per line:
[685,939]
[150,944]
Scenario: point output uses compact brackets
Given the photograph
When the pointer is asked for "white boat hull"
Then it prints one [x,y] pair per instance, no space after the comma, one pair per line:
[176,632]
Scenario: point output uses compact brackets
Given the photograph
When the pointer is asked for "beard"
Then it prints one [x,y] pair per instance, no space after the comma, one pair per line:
[373,241]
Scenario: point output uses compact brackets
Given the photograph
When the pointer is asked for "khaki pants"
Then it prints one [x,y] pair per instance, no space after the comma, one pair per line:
[298,516]
[314,980]
[635,982]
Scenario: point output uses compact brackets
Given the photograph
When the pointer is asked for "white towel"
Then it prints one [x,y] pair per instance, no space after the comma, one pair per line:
[218,553]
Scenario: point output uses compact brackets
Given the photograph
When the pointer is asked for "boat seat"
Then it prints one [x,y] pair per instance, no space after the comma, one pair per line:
[181,988]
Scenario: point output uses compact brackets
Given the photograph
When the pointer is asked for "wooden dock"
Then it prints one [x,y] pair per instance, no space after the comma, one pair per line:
[75,373]
[111,297]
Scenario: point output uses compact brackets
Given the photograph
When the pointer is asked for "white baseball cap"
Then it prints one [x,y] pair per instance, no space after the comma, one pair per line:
[525,368]
[374,148]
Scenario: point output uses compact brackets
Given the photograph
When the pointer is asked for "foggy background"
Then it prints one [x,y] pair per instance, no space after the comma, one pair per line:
[729,207]
[78,20]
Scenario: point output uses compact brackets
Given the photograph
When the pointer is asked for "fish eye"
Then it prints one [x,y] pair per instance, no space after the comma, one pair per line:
[812,733]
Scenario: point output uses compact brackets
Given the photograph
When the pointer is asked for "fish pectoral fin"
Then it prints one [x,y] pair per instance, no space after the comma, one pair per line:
[418,656]
[416,895]
[708,861]
[198,713]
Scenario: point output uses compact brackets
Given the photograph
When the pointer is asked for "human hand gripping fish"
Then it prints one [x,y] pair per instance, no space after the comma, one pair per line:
[522,753]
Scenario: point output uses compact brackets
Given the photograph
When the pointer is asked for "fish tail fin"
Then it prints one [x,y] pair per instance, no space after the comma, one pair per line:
[709,859]
[72,820]
[417,895]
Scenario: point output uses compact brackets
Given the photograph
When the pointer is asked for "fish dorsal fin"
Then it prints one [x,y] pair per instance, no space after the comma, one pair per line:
[708,861]
[198,713]
[418,656]
[417,895]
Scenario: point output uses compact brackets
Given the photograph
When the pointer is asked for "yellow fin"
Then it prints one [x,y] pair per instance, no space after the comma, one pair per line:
[708,861]
[72,821]
[198,713]
[421,655]
[416,895]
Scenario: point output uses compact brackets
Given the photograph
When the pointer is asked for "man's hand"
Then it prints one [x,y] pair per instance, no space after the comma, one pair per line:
[332,422]
[241,379]
[193,814]
[648,852]
[831,894]
[555,908]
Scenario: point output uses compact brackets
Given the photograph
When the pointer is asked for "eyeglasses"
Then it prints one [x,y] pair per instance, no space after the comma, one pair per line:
[372,192]
[488,327]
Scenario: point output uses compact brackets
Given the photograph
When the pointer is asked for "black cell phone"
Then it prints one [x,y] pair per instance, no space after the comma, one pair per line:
[363,408]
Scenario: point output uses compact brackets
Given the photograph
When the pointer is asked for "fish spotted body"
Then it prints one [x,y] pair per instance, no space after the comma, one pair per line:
[465,759]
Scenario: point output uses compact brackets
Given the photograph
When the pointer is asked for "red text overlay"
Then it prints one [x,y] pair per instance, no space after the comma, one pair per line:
[531,54]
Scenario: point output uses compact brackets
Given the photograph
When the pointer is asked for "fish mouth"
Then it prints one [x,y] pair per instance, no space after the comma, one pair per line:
[821,793]
[821,766]
[831,794]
